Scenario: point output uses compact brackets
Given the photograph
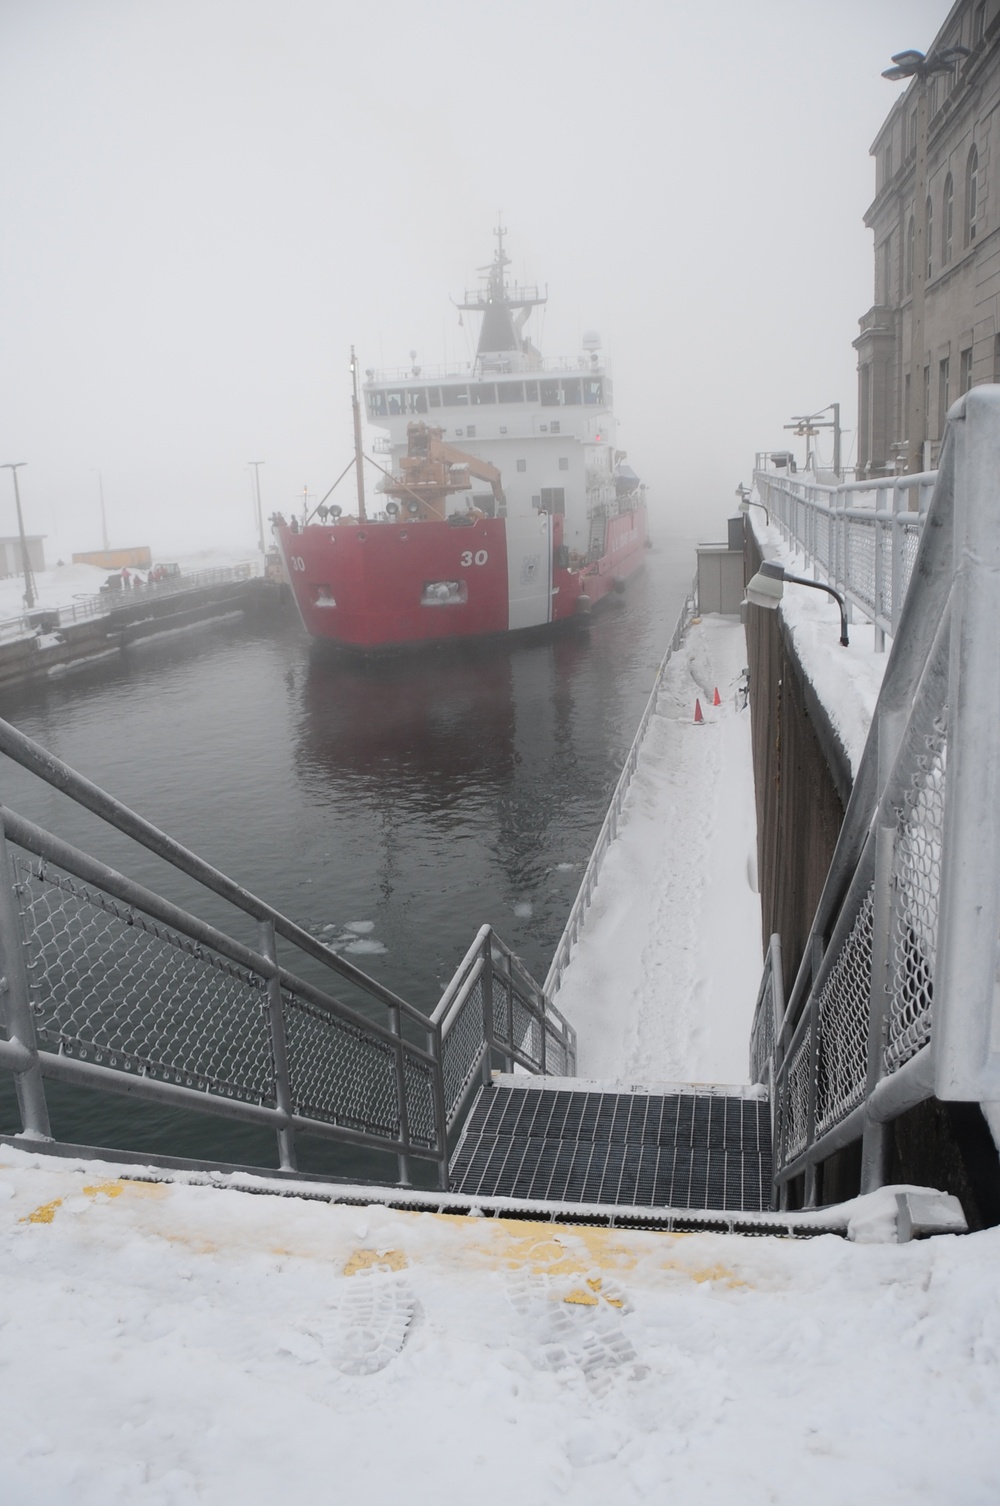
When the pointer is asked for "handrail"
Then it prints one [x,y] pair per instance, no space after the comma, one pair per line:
[32,756]
[894,995]
[864,551]
[609,827]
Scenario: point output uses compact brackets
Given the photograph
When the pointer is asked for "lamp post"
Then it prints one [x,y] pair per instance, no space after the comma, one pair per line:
[29,585]
[104,520]
[260,516]
[913,64]
[767,587]
[745,502]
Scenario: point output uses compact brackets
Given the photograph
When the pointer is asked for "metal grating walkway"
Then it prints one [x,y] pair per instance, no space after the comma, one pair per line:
[676,1150]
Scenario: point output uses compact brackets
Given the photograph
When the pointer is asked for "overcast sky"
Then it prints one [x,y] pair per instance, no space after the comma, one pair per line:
[206,202]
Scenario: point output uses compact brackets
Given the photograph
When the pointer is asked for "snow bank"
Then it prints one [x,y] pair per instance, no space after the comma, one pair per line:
[166,1345]
[663,981]
[847,680]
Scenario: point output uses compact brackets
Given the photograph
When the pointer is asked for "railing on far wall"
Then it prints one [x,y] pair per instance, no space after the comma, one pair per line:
[111,987]
[609,830]
[861,536]
[894,1001]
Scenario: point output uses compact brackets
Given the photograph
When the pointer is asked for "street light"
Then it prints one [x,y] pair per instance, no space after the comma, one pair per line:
[260,516]
[745,502]
[767,587]
[29,586]
[913,64]
[104,519]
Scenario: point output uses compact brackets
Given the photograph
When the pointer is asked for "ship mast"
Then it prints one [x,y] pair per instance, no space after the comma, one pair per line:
[358,457]
[504,307]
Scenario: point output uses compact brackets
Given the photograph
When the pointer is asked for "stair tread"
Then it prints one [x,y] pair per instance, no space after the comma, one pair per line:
[656,1150]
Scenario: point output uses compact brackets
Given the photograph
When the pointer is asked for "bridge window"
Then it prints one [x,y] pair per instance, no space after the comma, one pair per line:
[592,390]
[395,402]
[376,405]
[971,196]
[550,394]
[531,392]
[484,392]
[434,397]
[510,392]
[947,220]
[416,401]
[571,391]
[454,397]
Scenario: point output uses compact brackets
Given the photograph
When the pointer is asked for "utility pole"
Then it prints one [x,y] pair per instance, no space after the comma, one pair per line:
[260,516]
[104,520]
[29,584]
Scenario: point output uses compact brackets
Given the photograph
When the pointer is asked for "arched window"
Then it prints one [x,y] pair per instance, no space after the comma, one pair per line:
[911,241]
[929,238]
[971,195]
[947,220]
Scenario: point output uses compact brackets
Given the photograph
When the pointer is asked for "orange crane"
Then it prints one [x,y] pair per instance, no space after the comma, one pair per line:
[433,470]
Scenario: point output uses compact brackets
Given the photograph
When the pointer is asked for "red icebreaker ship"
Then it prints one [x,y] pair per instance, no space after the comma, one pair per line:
[504,506]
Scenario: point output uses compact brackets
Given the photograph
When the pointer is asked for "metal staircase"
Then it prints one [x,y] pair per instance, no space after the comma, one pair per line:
[683,1147]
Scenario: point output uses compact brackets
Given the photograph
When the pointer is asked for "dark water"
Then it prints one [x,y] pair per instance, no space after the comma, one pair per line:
[423,794]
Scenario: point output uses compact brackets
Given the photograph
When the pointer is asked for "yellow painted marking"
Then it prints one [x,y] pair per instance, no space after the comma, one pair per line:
[579,1298]
[705,1273]
[377,1260]
[43,1215]
[109,1189]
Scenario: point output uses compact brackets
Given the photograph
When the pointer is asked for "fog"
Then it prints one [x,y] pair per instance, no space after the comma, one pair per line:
[207,202]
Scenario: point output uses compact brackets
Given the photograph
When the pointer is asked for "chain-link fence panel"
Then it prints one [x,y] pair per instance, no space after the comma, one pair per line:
[762,1032]
[860,574]
[527,1032]
[462,1048]
[917,880]
[844,1015]
[419,1080]
[795,1099]
[112,986]
[338,1073]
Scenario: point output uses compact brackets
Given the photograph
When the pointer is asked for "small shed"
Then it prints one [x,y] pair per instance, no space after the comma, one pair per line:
[10,554]
[720,573]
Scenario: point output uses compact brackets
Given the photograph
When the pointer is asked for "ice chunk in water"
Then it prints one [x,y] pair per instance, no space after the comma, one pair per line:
[360,927]
[523,909]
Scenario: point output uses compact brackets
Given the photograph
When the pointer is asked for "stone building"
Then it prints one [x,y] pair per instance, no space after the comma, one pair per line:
[936,222]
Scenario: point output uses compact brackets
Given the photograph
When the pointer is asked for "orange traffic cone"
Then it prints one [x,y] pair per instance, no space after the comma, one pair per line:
[716,699]
[698,718]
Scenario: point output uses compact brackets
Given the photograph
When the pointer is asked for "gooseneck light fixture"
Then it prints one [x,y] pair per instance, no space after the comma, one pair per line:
[745,502]
[768,586]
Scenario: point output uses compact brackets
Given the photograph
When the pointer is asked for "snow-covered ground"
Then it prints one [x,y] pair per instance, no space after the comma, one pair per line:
[169,1344]
[663,981]
[176,1345]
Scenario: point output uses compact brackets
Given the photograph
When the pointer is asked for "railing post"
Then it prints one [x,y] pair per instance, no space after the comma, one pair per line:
[440,1109]
[486,979]
[279,1049]
[879,574]
[875,1140]
[15,1003]
[809,1200]
[395,1025]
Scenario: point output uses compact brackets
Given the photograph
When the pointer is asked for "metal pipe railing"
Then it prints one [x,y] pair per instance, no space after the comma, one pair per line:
[894,996]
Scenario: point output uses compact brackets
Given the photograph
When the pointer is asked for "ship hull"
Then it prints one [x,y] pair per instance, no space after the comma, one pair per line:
[384,586]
